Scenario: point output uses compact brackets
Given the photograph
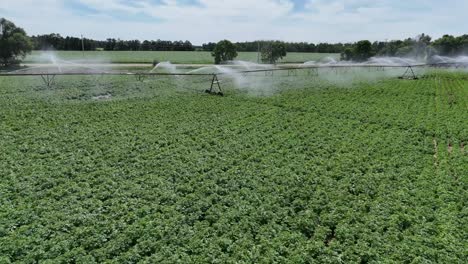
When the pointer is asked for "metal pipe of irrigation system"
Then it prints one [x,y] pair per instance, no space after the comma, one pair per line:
[106,73]
[234,72]
[49,77]
[326,67]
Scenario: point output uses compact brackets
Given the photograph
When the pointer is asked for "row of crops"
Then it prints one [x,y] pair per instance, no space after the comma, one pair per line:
[371,172]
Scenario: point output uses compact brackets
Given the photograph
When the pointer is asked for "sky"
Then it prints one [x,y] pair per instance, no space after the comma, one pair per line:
[201,21]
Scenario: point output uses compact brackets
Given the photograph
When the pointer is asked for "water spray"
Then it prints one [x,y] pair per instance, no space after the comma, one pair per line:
[238,71]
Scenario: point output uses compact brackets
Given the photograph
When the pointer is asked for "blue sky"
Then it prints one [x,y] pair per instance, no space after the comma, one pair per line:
[240,20]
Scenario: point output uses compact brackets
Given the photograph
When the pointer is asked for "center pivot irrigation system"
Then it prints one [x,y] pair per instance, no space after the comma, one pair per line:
[215,88]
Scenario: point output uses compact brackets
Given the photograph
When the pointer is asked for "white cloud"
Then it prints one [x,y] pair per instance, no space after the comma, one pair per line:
[240,20]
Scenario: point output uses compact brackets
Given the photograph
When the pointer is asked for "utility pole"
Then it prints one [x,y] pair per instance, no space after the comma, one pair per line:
[82,44]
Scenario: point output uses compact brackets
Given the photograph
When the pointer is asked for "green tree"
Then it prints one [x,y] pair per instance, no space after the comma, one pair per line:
[448,45]
[224,51]
[463,44]
[363,50]
[360,51]
[347,54]
[14,43]
[273,51]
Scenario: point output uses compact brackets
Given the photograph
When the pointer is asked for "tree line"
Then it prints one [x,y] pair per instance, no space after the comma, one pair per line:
[422,47]
[58,42]
[255,46]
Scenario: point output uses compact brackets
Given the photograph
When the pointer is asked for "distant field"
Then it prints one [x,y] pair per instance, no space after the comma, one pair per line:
[196,57]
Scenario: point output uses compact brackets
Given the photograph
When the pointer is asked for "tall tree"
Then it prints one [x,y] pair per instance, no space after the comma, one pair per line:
[224,51]
[363,50]
[273,51]
[14,43]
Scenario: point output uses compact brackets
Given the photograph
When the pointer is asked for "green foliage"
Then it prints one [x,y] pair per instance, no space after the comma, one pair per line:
[447,45]
[421,47]
[14,43]
[347,54]
[224,51]
[450,45]
[57,42]
[372,173]
[361,51]
[273,51]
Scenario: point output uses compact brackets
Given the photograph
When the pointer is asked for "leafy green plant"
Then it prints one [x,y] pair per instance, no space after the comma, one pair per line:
[373,172]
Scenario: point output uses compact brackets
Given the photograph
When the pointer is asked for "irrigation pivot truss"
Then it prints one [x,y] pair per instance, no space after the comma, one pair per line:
[215,88]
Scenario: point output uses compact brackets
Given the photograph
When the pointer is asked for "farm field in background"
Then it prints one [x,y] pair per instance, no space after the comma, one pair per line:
[111,169]
[178,57]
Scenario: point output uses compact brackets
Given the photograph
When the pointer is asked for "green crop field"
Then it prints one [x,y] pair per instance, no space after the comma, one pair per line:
[113,170]
[178,57]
